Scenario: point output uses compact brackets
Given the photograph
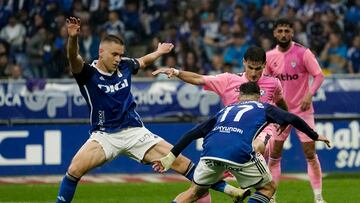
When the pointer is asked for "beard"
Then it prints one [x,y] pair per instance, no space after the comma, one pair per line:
[283,44]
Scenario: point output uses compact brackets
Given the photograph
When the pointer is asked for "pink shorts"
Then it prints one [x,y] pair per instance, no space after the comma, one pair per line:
[309,119]
[267,133]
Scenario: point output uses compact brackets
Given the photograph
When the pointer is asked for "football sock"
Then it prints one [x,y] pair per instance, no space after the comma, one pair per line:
[275,169]
[67,188]
[257,197]
[314,173]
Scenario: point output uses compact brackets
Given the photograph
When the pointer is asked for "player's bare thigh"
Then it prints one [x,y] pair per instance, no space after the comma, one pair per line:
[160,150]
[89,156]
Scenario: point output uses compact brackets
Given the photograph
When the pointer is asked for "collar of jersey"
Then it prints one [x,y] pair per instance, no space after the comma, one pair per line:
[100,71]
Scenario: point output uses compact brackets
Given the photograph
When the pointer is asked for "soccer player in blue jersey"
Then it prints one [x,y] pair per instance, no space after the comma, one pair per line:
[116,128]
[228,138]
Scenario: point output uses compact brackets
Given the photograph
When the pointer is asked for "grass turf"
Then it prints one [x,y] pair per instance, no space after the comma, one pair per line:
[337,188]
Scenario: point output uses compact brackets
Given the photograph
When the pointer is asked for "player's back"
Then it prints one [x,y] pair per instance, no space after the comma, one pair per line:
[236,127]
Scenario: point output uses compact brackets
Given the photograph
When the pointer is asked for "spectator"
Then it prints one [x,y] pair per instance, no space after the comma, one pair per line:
[88,44]
[307,10]
[264,24]
[100,16]
[35,51]
[114,26]
[234,54]
[334,55]
[299,33]
[354,56]
[14,33]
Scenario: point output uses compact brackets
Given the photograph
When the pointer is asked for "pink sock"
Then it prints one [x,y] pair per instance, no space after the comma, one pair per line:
[275,169]
[314,172]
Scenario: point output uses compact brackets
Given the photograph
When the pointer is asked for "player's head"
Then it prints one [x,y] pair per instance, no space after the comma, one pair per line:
[111,50]
[249,91]
[254,63]
[283,32]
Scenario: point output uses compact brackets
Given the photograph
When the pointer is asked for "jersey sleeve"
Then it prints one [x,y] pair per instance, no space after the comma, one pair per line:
[217,83]
[131,63]
[197,132]
[313,67]
[311,63]
[86,73]
[281,117]
[267,69]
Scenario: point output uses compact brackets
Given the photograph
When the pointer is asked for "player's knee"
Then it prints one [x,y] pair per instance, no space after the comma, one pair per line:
[76,170]
[269,189]
[309,153]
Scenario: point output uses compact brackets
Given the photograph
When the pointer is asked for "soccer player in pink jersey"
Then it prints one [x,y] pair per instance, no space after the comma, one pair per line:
[294,64]
[226,85]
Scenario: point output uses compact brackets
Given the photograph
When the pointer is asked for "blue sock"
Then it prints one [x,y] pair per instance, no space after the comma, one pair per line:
[257,197]
[219,186]
[189,174]
[67,188]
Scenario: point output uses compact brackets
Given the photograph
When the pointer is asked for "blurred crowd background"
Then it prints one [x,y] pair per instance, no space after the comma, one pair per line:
[210,36]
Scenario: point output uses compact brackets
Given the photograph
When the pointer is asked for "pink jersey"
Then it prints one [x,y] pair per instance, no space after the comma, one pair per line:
[226,85]
[293,68]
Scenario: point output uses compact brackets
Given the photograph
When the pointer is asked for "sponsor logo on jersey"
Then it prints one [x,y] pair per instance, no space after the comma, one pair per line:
[287,76]
[114,88]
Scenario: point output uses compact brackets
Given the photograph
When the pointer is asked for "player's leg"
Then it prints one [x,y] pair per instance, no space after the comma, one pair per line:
[261,141]
[194,193]
[255,174]
[206,174]
[89,156]
[263,194]
[275,150]
[186,167]
[313,163]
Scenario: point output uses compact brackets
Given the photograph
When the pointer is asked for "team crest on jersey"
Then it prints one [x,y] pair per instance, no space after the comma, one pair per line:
[293,64]
[262,92]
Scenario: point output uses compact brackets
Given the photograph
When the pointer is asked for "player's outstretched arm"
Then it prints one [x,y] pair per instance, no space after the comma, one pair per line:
[279,116]
[163,48]
[75,60]
[201,130]
[186,76]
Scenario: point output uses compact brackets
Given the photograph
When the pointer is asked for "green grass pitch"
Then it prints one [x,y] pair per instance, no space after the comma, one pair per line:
[337,188]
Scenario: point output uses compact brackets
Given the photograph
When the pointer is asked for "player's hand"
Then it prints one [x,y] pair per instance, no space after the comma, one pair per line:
[306,102]
[164,163]
[164,48]
[170,72]
[73,26]
[324,139]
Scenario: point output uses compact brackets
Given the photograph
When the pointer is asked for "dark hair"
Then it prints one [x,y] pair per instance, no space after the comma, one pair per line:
[249,88]
[112,38]
[283,21]
[255,53]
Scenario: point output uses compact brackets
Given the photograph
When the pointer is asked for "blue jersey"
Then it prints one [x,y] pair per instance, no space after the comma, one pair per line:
[235,129]
[228,136]
[108,96]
